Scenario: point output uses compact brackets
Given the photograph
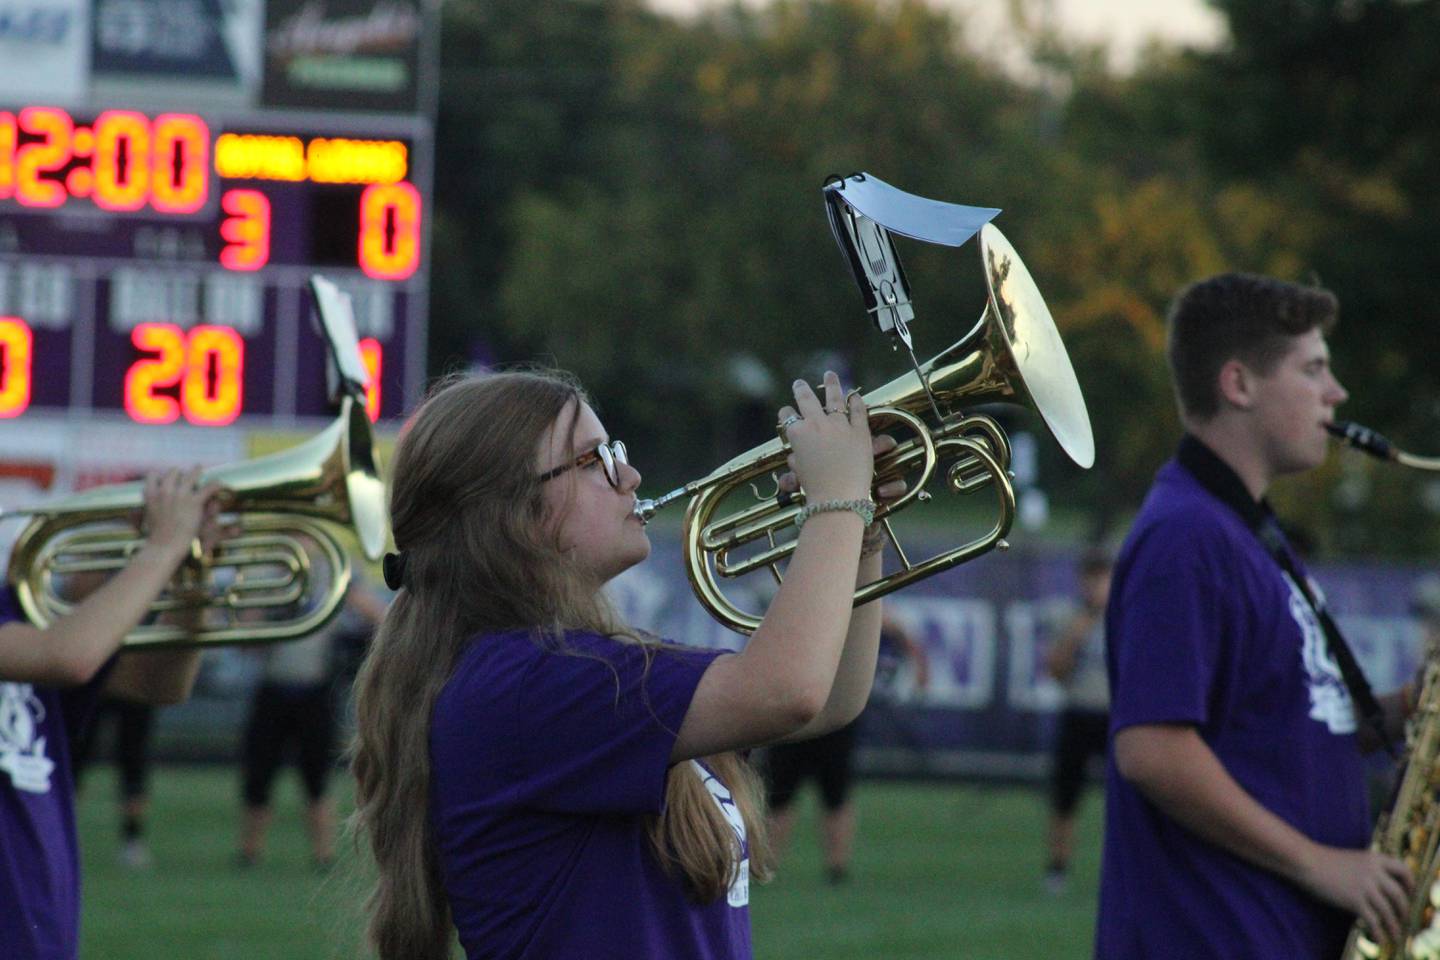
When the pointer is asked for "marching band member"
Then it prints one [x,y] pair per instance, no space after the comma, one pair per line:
[1236,820]
[50,680]
[1076,661]
[534,773]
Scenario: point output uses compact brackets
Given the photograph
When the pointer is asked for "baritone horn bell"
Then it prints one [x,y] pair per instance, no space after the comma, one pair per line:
[1013,354]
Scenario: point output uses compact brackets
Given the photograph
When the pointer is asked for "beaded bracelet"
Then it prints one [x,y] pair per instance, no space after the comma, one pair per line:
[864,509]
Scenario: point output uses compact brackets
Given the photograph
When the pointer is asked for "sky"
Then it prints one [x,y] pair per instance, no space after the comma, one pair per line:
[1124,24]
[1128,23]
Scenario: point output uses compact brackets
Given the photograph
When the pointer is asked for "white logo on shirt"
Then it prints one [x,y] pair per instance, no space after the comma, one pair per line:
[1329,700]
[22,754]
[739,893]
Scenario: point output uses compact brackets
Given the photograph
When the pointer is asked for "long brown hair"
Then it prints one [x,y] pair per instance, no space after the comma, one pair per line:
[469,517]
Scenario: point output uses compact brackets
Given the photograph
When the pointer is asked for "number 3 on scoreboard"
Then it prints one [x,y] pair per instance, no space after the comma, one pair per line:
[245,230]
[208,364]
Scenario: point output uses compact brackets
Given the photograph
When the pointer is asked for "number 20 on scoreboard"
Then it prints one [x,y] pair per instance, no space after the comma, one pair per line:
[196,374]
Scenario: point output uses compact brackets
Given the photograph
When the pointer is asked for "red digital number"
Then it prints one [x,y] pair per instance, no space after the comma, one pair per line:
[182,160]
[16,344]
[208,364]
[7,155]
[47,155]
[147,375]
[389,230]
[132,161]
[210,394]
[372,353]
[246,231]
[122,160]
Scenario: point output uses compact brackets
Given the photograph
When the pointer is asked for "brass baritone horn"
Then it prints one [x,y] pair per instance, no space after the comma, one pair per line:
[1410,828]
[283,501]
[1012,354]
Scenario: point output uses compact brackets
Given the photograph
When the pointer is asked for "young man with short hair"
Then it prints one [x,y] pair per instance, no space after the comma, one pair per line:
[1236,820]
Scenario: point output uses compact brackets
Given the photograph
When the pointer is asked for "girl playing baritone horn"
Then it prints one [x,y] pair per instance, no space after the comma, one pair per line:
[534,773]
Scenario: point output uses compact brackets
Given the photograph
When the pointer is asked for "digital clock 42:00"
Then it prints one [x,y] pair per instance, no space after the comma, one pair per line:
[154,263]
[126,162]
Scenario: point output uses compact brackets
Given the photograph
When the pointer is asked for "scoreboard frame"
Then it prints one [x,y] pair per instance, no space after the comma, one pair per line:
[153,260]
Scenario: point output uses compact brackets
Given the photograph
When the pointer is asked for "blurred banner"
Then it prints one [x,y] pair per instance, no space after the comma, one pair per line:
[178,40]
[365,51]
[990,710]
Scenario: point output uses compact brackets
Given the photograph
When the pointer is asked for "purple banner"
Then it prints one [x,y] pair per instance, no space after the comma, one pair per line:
[989,708]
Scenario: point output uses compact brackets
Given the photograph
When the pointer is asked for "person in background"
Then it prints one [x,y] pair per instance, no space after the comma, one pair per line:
[1076,660]
[829,761]
[133,724]
[293,709]
[1425,605]
[50,680]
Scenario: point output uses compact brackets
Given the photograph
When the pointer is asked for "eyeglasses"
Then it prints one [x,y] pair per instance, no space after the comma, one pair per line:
[609,455]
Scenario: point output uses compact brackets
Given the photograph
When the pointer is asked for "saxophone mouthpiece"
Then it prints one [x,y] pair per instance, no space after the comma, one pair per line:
[1362,438]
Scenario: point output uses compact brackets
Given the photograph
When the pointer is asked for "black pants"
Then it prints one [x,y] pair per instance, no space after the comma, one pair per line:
[1083,734]
[133,722]
[827,759]
[281,716]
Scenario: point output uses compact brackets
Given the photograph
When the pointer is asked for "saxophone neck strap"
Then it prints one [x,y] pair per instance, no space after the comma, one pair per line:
[1222,482]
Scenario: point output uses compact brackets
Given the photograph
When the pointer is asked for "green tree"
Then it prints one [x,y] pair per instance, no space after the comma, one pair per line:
[524,84]
[1323,103]
[699,239]
[638,198]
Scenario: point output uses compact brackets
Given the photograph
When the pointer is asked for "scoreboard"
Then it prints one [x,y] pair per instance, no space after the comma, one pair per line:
[155,246]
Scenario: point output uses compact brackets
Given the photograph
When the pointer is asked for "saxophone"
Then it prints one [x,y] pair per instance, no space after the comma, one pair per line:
[1410,829]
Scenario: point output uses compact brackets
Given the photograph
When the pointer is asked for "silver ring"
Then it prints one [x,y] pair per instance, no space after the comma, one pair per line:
[835,410]
[790,421]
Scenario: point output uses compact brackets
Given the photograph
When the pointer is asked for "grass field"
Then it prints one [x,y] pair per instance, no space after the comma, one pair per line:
[941,871]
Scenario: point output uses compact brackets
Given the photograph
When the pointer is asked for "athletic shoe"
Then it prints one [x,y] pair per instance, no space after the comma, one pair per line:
[134,855]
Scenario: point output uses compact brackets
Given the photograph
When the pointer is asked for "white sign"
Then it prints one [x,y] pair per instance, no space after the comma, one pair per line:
[45,49]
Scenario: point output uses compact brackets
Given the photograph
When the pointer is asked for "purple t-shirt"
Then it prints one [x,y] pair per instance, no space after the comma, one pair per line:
[544,766]
[1206,630]
[39,854]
